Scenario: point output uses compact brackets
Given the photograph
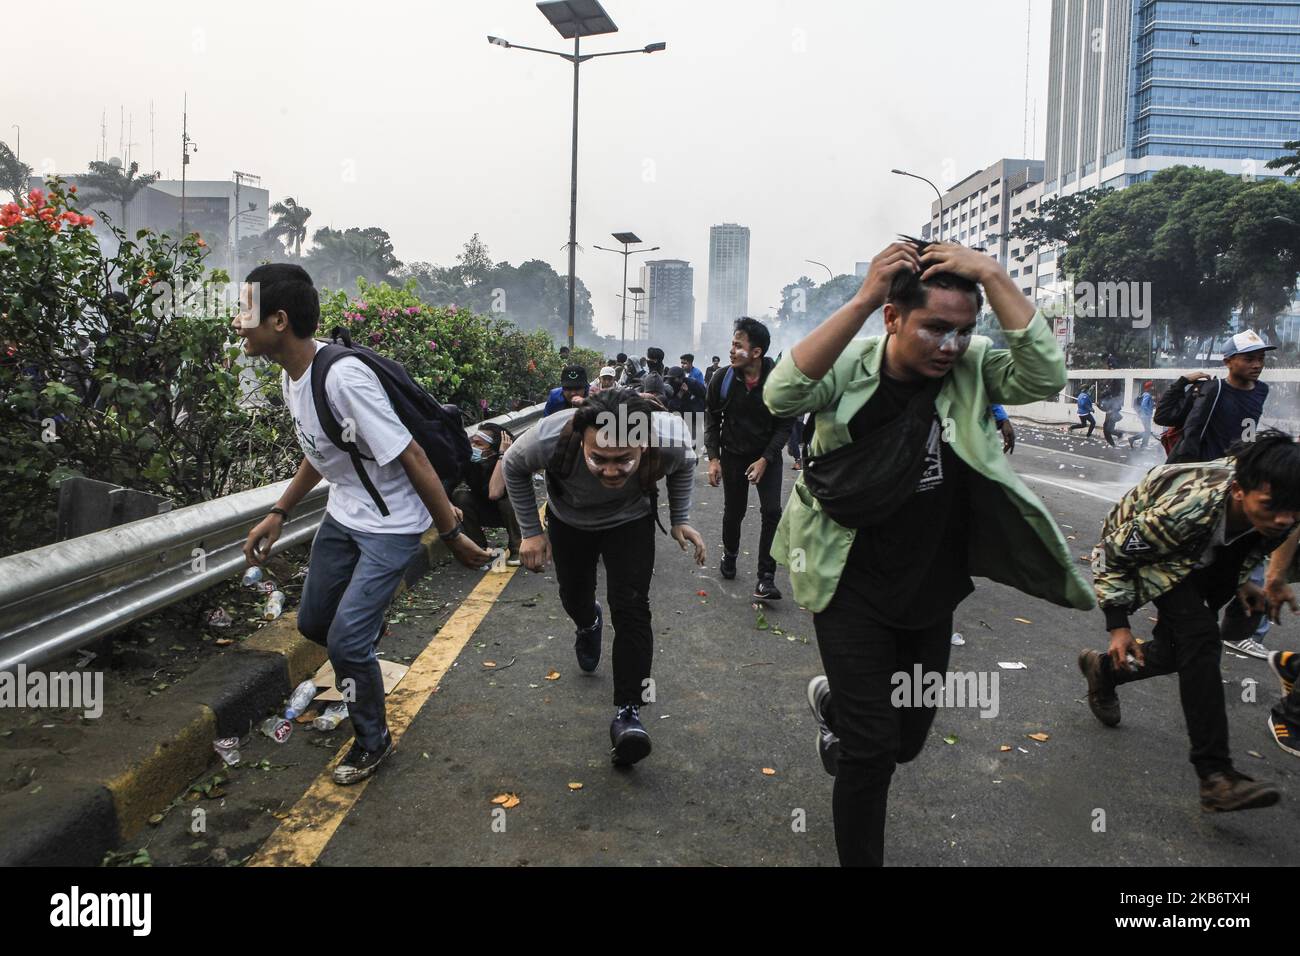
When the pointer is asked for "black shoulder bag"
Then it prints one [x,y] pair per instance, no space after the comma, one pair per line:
[863,483]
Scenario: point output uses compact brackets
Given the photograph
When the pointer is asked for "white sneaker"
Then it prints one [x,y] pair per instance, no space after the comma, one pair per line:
[1248,646]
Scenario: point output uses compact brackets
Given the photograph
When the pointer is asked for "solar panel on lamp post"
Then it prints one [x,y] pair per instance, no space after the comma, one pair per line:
[574,19]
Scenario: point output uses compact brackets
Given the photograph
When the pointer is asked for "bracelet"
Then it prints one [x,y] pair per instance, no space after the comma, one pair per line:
[454,533]
[278,511]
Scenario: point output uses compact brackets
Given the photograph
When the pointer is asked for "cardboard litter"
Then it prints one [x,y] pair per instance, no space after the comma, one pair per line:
[393,673]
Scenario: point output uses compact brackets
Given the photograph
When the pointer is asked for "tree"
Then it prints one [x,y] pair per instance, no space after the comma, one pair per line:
[1264,256]
[258,249]
[353,254]
[14,176]
[1057,222]
[290,224]
[475,263]
[1290,165]
[108,181]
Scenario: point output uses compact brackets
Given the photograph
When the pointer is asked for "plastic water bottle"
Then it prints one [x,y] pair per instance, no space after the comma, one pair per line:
[277,728]
[252,577]
[301,699]
[334,715]
[274,606]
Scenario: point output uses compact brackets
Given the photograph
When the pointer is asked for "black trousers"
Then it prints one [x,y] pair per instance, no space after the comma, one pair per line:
[1086,420]
[861,658]
[1187,642]
[628,551]
[735,502]
[480,513]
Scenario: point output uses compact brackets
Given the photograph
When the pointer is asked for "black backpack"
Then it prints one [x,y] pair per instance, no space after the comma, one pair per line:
[437,429]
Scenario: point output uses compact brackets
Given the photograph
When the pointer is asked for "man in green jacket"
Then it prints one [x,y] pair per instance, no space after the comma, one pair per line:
[883,599]
[1187,537]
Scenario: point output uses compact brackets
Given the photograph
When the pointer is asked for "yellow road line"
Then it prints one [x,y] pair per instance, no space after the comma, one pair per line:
[302,836]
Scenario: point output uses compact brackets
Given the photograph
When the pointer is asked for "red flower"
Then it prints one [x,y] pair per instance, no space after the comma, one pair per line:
[73,190]
[36,197]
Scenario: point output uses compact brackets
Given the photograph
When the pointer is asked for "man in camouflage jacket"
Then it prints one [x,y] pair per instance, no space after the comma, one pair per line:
[1186,538]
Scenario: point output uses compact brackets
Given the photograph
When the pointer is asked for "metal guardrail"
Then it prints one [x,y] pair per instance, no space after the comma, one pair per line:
[56,599]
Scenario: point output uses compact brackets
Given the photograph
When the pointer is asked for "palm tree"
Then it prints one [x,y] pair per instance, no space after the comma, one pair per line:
[14,175]
[109,181]
[290,224]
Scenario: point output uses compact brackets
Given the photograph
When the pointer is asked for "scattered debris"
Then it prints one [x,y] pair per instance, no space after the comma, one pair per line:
[217,617]
[574,785]
[958,640]
[950,739]
[506,800]
[1004,748]
[553,675]
[1040,736]
[1013,665]
[769,772]
[1023,620]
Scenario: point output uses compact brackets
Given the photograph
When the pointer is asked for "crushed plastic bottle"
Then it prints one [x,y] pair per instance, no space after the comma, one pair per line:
[274,606]
[252,577]
[334,715]
[277,728]
[958,640]
[301,699]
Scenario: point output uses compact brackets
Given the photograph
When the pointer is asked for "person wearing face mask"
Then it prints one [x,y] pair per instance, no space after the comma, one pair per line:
[904,495]
[603,463]
[481,500]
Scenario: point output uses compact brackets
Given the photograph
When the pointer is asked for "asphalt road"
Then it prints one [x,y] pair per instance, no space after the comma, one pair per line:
[730,704]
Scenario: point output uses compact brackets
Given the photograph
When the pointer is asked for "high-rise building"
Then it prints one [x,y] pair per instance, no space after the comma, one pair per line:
[670,302]
[1135,86]
[728,283]
[976,211]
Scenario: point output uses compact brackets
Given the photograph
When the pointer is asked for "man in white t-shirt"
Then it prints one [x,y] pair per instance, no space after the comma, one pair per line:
[358,556]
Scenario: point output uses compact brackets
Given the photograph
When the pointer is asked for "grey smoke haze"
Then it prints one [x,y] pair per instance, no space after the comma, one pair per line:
[783,116]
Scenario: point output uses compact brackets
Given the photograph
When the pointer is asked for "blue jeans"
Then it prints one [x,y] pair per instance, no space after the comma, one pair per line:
[350,582]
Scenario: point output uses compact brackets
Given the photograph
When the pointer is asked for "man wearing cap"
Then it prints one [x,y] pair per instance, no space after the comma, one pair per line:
[608,377]
[1215,414]
[686,397]
[572,390]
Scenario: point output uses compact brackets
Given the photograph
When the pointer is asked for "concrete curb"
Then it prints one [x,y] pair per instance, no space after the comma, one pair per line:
[77,820]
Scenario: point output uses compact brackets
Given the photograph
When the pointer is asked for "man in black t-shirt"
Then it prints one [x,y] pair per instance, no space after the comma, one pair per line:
[745,442]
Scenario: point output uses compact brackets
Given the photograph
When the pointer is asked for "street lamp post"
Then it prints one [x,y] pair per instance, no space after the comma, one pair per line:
[823,265]
[627,238]
[901,172]
[574,19]
[637,292]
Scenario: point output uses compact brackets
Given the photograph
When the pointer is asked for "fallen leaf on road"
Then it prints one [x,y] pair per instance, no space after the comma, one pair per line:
[223,641]
[769,772]
[506,800]
[489,663]
[156,819]
[575,786]
[761,623]
[553,675]
[1004,748]
[1040,736]
[950,739]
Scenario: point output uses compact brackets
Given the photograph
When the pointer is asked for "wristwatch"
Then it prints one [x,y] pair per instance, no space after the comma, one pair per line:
[454,533]
[279,511]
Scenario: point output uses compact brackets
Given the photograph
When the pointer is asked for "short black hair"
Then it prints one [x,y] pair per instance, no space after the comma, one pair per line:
[716,359]
[1272,459]
[687,357]
[908,292]
[620,357]
[756,332]
[590,413]
[283,286]
[493,431]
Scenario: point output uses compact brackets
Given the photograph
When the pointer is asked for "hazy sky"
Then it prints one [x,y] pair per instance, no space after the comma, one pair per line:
[780,115]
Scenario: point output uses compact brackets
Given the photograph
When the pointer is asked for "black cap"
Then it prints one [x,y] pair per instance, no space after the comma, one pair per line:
[574,376]
[676,372]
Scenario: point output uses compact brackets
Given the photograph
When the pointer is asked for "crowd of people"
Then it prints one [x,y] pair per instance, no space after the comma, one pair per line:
[904,491]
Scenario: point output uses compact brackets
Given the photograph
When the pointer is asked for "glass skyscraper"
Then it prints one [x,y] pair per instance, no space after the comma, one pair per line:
[1138,85]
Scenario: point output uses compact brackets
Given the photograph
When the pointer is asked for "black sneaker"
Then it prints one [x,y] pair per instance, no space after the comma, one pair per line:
[1285,732]
[727,567]
[1101,693]
[1286,665]
[587,644]
[828,745]
[361,763]
[766,590]
[628,736]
